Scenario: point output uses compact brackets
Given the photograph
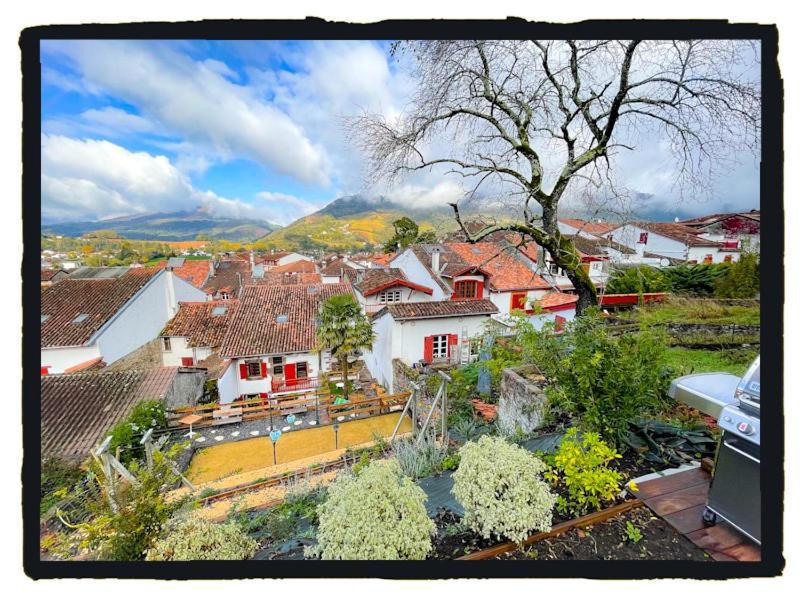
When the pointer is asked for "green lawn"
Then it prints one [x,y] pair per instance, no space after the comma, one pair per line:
[692,311]
[686,361]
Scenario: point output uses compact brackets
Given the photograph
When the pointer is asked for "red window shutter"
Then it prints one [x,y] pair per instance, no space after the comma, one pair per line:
[263,370]
[45,370]
[428,350]
[479,293]
[243,371]
[452,340]
[643,238]
[290,372]
[262,394]
[187,361]
[560,323]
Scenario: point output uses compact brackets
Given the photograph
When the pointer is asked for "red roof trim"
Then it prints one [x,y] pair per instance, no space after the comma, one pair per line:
[402,282]
[472,268]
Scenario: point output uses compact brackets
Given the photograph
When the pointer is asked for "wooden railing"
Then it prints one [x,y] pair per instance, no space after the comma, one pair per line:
[295,385]
[321,406]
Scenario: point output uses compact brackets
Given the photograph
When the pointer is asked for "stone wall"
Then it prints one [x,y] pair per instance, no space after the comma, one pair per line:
[522,401]
[186,388]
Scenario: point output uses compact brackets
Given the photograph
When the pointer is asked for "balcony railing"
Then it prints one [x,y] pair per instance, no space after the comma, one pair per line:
[295,385]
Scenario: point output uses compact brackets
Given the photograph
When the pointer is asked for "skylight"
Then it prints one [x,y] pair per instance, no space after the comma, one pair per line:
[218,311]
[45,317]
[80,318]
[282,319]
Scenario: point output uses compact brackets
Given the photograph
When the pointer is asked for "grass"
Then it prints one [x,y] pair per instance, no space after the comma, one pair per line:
[686,361]
[683,310]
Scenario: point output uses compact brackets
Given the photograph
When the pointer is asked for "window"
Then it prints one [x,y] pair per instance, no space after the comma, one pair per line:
[708,259]
[466,289]
[277,365]
[253,370]
[728,258]
[302,370]
[219,311]
[187,361]
[167,345]
[282,319]
[440,346]
[225,296]
[390,296]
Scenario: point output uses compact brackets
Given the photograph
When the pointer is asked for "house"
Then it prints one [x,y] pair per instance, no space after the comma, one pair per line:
[228,278]
[271,341]
[279,259]
[261,277]
[735,231]
[436,332]
[375,288]
[106,313]
[296,266]
[78,410]
[51,276]
[195,332]
[670,241]
[338,270]
[195,272]
[581,226]
[484,270]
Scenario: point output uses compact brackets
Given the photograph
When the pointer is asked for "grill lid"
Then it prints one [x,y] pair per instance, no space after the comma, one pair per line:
[748,392]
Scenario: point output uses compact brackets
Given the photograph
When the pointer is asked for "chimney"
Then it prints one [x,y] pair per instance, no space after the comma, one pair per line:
[435,260]
[252,261]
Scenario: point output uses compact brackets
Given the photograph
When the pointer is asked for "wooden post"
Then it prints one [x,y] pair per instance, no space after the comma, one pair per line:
[445,380]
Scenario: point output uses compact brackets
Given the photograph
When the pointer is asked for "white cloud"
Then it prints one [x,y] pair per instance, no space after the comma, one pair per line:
[96,179]
[197,101]
[421,197]
[284,208]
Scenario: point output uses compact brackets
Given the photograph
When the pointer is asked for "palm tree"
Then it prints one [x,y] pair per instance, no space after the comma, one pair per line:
[343,328]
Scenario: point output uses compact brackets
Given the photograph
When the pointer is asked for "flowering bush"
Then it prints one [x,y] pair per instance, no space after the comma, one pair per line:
[198,539]
[379,515]
[500,487]
[581,463]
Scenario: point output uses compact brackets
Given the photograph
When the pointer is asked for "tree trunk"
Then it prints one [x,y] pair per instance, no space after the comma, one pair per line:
[344,374]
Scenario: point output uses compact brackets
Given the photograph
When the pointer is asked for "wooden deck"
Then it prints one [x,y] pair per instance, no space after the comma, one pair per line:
[680,499]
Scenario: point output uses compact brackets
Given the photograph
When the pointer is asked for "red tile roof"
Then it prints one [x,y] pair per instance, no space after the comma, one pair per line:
[507,272]
[442,308]
[195,272]
[197,322]
[755,215]
[589,227]
[298,266]
[556,299]
[100,299]
[273,278]
[77,410]
[375,280]
[229,275]
[338,268]
[48,274]
[254,329]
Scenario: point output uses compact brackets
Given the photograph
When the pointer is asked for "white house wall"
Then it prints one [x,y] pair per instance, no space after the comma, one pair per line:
[415,271]
[379,359]
[628,235]
[226,385]
[413,333]
[145,315]
[292,257]
[263,386]
[60,359]
[179,349]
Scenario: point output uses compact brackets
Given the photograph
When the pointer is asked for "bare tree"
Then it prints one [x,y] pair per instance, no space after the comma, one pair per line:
[527,119]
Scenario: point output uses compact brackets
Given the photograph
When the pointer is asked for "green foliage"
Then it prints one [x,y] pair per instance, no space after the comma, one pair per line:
[198,539]
[57,479]
[343,328]
[687,360]
[406,233]
[418,460]
[500,487]
[379,515]
[694,280]
[283,521]
[451,462]
[582,465]
[127,435]
[142,510]
[638,280]
[604,380]
[633,533]
[689,310]
[742,279]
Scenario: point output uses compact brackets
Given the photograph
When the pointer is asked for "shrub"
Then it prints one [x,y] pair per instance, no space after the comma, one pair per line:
[581,464]
[500,487]
[695,280]
[637,280]
[742,279]
[421,460]
[379,515]
[198,539]
[57,479]
[604,380]
[127,435]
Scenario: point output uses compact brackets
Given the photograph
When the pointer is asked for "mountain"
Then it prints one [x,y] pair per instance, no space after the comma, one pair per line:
[176,226]
[354,222]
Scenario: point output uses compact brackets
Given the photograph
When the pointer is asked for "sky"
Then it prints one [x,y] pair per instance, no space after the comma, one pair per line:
[250,129]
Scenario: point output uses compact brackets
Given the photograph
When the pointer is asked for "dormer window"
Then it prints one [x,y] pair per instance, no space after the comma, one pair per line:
[390,296]
[466,289]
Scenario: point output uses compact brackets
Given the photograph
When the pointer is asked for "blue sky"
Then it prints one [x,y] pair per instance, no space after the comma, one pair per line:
[242,128]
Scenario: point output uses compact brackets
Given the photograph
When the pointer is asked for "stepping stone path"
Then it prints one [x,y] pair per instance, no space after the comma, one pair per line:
[298,423]
[235,434]
[312,423]
[200,439]
[219,438]
[254,432]
[287,428]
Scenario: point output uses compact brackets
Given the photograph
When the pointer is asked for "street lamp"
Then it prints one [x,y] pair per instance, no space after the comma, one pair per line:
[274,436]
[336,433]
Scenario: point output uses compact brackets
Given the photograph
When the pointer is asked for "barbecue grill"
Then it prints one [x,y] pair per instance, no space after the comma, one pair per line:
[735,492]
